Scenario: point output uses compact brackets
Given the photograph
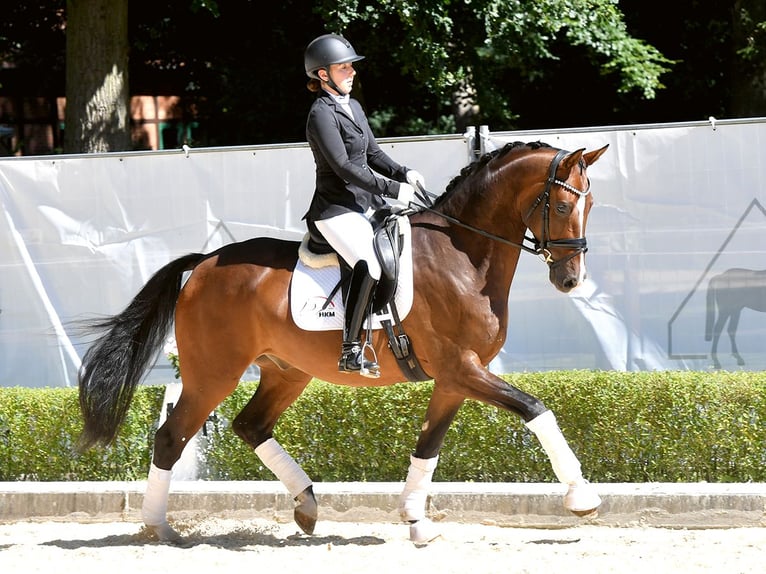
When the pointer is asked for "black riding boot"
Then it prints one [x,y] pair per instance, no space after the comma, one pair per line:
[358,301]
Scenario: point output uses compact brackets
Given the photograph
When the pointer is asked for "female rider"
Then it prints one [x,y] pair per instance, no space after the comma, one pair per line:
[348,192]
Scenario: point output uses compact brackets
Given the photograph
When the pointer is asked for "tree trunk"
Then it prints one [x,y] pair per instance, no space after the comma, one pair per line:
[749,77]
[464,106]
[96,117]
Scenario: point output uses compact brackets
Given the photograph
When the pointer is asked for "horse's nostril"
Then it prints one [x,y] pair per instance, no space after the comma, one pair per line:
[570,282]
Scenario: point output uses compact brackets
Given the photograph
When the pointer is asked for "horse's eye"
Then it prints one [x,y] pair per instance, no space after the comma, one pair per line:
[563,208]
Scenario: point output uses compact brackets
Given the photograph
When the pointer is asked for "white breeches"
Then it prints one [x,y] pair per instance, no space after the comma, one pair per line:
[350,234]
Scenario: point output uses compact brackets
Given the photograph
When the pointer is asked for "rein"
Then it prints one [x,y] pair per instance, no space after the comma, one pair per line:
[540,248]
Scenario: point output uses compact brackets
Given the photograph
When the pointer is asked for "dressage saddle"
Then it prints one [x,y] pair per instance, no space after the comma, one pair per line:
[388,245]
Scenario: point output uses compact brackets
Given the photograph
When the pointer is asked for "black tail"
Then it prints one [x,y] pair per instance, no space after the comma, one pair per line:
[116,363]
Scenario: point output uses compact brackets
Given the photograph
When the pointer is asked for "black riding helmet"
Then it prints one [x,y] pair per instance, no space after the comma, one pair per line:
[325,50]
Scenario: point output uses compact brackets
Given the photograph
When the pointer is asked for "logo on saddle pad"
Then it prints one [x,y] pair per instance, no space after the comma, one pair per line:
[319,306]
[312,287]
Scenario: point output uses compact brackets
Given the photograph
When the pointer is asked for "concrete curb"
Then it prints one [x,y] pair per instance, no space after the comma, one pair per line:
[670,505]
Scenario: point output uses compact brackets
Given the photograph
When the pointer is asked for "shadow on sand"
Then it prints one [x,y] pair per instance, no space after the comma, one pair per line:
[237,539]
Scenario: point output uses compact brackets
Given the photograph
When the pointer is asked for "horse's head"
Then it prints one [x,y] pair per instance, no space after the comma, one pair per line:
[557,216]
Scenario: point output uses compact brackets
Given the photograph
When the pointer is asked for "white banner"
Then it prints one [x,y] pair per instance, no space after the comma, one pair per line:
[675,205]
[80,235]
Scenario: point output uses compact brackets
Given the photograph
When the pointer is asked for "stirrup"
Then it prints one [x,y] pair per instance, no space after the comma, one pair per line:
[352,360]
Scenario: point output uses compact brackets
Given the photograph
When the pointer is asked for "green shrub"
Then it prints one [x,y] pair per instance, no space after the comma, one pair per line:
[661,426]
[39,430]
[335,433]
[664,426]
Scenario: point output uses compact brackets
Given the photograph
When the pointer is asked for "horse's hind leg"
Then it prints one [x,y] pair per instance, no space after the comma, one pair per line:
[187,417]
[276,391]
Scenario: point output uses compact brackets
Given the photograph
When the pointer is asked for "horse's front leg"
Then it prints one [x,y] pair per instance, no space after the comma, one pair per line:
[478,383]
[442,409]
[581,498]
[717,330]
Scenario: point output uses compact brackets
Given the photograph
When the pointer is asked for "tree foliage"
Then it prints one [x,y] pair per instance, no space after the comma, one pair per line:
[445,46]
[431,64]
[749,32]
[237,64]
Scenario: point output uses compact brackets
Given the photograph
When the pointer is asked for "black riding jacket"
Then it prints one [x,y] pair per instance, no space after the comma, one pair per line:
[346,156]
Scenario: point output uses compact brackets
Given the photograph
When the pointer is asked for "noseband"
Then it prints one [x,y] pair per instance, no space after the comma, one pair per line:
[542,247]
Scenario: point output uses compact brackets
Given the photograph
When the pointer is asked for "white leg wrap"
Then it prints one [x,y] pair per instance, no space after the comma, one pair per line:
[564,462]
[155,507]
[412,502]
[581,496]
[283,466]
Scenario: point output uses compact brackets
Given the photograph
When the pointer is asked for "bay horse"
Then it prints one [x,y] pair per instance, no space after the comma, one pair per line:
[233,311]
[729,293]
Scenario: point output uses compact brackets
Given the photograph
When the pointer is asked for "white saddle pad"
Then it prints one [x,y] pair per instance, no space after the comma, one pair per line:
[310,289]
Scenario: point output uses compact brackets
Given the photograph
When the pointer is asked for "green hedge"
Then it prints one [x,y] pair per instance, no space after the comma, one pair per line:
[663,426]
[39,429]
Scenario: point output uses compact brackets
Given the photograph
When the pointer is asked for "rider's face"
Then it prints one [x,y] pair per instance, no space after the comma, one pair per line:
[343,76]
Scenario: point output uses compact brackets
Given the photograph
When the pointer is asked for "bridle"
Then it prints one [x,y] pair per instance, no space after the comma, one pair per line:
[540,247]
[578,244]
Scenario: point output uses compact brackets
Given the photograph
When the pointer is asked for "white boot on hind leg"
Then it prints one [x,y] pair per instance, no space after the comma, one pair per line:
[297,482]
[581,498]
[155,506]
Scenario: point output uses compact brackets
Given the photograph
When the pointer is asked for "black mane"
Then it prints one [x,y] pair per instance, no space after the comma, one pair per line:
[481,163]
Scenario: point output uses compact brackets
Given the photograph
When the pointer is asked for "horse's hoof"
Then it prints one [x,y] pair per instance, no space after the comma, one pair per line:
[423,531]
[165,533]
[305,513]
[592,513]
[582,499]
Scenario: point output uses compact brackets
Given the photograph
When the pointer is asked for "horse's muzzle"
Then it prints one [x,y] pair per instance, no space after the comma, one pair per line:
[568,275]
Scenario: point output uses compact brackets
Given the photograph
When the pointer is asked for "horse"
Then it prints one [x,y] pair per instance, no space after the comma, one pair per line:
[233,311]
[729,293]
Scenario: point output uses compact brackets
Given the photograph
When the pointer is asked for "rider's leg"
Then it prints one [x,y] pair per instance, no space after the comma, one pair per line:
[351,235]
[358,301]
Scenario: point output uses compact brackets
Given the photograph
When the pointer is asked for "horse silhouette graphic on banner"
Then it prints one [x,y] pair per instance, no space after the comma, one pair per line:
[728,293]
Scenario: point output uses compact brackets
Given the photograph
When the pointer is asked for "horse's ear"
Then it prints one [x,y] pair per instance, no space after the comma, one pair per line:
[572,159]
[591,157]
